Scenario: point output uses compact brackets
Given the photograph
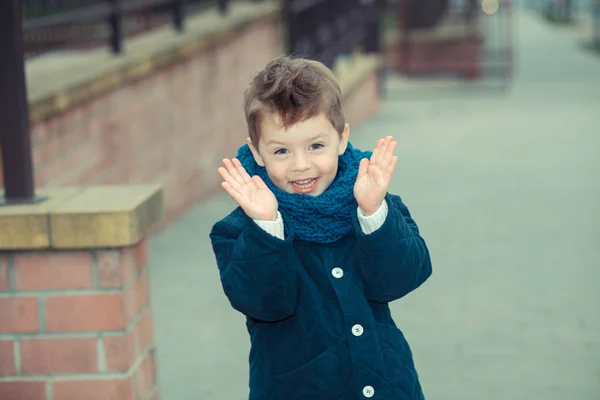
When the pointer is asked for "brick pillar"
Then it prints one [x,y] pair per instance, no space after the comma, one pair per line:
[76,324]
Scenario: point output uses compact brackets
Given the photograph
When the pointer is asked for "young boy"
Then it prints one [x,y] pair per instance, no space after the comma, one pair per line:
[317,247]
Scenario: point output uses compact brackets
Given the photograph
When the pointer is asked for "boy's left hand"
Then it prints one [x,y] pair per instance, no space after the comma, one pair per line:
[374,176]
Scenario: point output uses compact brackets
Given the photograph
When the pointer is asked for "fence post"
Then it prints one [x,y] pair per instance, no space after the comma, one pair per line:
[596,24]
[116,27]
[372,39]
[178,15]
[15,141]
[223,6]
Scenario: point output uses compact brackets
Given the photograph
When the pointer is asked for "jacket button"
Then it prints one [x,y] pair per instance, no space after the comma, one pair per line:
[368,391]
[337,272]
[357,330]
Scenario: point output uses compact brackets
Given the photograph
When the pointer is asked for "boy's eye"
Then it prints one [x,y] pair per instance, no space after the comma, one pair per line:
[280,151]
[316,146]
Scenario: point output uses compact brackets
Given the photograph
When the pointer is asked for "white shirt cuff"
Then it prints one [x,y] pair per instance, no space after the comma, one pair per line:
[371,223]
[275,228]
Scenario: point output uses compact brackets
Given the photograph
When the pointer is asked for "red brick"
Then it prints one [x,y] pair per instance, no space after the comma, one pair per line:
[119,351]
[71,148]
[23,390]
[93,312]
[141,254]
[144,331]
[93,389]
[4,278]
[53,271]
[19,315]
[145,376]
[115,267]
[138,295]
[7,358]
[53,356]
[39,131]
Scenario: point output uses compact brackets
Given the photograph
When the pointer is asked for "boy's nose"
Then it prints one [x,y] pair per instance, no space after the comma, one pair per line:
[301,163]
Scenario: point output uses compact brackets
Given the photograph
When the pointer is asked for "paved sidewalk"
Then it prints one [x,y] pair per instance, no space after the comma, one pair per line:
[506,190]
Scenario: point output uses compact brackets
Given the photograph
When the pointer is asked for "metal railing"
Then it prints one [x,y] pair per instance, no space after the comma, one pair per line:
[323,30]
[558,10]
[20,18]
[326,30]
[595,14]
[79,24]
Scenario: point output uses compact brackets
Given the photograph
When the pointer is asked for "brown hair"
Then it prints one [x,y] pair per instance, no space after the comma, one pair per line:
[294,89]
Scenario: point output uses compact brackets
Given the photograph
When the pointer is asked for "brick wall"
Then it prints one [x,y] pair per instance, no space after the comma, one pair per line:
[364,101]
[463,57]
[172,127]
[76,325]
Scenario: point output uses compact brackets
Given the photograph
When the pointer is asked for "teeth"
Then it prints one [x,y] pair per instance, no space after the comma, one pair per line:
[304,184]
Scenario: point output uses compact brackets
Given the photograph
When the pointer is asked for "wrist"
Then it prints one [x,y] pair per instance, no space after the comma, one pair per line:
[367,212]
[268,217]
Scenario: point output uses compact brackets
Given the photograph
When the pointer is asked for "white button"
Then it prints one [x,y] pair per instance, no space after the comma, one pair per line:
[368,391]
[337,272]
[357,330]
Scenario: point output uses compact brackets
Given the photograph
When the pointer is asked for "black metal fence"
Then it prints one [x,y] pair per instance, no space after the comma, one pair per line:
[326,30]
[595,11]
[29,27]
[319,29]
[50,25]
[558,10]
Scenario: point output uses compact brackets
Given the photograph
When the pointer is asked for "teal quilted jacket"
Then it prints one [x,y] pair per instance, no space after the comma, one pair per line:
[317,314]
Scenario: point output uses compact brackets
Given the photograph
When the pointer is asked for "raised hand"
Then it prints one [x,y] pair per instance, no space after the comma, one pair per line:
[374,176]
[255,198]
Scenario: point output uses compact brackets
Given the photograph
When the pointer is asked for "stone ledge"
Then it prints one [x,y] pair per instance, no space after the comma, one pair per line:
[74,218]
[353,72]
[57,82]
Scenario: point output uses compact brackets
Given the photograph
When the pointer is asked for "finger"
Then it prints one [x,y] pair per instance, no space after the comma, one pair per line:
[235,195]
[384,149]
[389,153]
[374,173]
[260,184]
[362,168]
[375,155]
[233,172]
[223,172]
[241,170]
[391,166]
[229,179]
[384,143]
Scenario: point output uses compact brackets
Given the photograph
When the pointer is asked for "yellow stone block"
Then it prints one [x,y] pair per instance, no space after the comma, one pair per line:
[26,226]
[71,218]
[355,71]
[106,216]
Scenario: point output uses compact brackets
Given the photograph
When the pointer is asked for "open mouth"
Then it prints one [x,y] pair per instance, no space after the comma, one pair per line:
[305,186]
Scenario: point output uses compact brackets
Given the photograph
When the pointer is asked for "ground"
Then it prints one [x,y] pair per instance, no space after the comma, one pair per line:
[505,188]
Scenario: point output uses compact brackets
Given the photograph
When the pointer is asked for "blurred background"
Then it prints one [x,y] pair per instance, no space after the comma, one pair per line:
[494,104]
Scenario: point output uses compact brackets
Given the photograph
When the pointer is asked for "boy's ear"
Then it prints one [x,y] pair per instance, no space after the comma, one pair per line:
[255,153]
[344,139]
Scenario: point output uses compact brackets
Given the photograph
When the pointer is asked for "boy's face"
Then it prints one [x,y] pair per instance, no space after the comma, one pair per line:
[303,158]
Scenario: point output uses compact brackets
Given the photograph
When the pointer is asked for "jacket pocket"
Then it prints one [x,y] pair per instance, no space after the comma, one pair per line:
[398,361]
[318,379]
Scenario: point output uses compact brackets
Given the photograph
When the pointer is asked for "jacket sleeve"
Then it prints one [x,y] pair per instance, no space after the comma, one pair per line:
[256,269]
[393,260]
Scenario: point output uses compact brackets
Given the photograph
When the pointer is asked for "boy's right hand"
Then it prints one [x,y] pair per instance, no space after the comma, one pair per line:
[255,198]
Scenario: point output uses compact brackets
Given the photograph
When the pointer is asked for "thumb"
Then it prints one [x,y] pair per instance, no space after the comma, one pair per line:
[260,184]
[362,168]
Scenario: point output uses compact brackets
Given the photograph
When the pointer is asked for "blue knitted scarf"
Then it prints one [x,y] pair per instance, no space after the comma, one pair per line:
[324,218]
